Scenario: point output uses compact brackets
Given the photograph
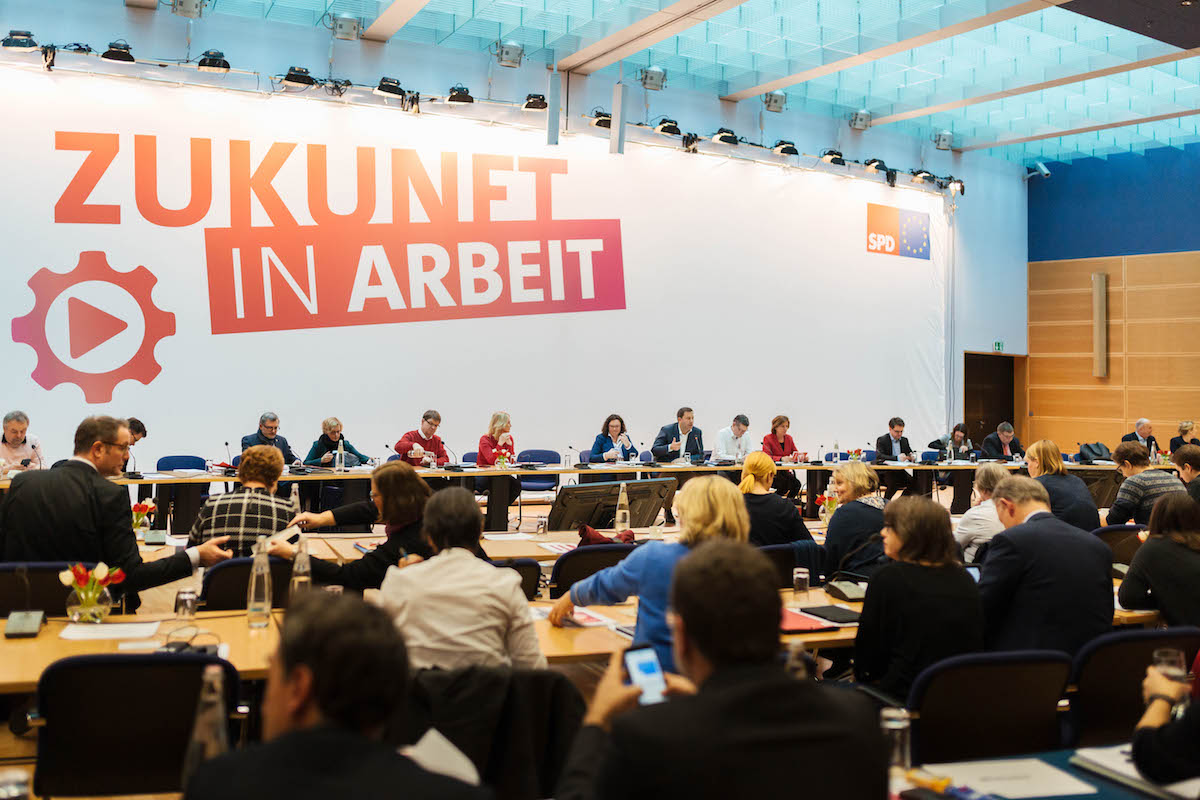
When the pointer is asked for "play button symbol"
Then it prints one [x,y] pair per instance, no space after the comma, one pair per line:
[90,327]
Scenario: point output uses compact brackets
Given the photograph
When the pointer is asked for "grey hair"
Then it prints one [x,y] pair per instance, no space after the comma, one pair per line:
[1141,422]
[1004,427]
[16,416]
[742,419]
[988,477]
[268,416]
[329,424]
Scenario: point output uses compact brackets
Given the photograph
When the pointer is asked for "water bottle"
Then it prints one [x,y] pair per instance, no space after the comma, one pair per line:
[339,461]
[622,519]
[210,736]
[837,452]
[295,498]
[301,569]
[258,593]
[14,784]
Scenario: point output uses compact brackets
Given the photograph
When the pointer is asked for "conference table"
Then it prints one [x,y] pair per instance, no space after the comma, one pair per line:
[187,488]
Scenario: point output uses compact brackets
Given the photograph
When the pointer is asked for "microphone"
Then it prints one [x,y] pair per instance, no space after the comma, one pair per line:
[872,539]
[453,460]
[569,449]
[228,454]
[820,449]
[133,463]
[23,574]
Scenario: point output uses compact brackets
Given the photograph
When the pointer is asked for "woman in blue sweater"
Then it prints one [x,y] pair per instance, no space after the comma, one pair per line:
[708,507]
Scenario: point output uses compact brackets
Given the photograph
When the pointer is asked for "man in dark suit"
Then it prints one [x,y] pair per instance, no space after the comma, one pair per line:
[1003,443]
[736,725]
[337,679]
[681,438]
[1143,433]
[268,433]
[1045,584]
[893,446]
[74,513]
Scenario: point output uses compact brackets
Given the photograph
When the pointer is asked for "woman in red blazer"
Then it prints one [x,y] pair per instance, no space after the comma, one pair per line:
[780,447]
[497,440]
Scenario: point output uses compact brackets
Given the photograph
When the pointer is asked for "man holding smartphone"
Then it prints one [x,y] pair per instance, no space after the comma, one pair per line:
[735,724]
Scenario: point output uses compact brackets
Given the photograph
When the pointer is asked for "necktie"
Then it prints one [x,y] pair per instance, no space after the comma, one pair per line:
[1007,452]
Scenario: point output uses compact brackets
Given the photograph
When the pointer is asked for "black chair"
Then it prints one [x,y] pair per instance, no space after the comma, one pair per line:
[1106,683]
[34,586]
[581,562]
[226,584]
[981,551]
[530,572]
[90,709]
[783,556]
[1010,699]
[1123,540]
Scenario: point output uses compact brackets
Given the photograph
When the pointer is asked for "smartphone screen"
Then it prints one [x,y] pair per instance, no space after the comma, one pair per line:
[647,674]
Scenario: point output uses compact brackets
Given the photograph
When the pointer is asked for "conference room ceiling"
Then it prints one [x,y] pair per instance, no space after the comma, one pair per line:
[1025,80]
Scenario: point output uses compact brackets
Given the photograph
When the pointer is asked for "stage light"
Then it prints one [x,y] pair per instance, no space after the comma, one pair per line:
[509,54]
[187,8]
[347,27]
[725,136]
[943,140]
[535,102]
[785,148]
[833,157]
[956,186]
[921,175]
[891,177]
[1038,169]
[668,127]
[860,120]
[460,94]
[213,61]
[874,165]
[601,119]
[119,51]
[20,41]
[298,76]
[388,87]
[653,78]
[690,143]
[775,101]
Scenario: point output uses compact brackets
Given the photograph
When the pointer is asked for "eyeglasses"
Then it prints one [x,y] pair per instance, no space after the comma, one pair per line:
[116,445]
[374,495]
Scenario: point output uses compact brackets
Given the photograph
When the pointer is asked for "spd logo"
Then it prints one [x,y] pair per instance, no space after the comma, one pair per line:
[897,232]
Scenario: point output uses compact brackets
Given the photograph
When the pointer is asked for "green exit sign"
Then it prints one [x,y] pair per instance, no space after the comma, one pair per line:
[998,346]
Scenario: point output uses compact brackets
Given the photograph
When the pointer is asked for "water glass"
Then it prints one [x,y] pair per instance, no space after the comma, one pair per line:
[800,585]
[542,523]
[333,588]
[897,730]
[1172,664]
[185,605]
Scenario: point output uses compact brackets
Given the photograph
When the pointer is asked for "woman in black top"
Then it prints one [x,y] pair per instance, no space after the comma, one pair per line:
[1070,499]
[1166,750]
[921,607]
[774,519]
[398,496]
[1165,573]
[1184,437]
[849,545]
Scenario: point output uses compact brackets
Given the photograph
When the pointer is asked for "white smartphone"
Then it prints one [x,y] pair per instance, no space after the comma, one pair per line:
[646,673]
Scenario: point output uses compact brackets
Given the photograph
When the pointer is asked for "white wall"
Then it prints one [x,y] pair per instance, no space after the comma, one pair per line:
[560,406]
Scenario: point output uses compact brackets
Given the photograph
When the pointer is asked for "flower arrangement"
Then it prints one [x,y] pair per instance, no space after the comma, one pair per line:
[828,504]
[856,455]
[90,600]
[140,511]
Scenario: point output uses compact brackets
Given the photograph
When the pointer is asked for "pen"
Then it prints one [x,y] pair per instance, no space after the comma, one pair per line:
[924,780]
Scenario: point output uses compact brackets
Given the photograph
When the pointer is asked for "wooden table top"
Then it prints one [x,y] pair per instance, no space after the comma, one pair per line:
[23,660]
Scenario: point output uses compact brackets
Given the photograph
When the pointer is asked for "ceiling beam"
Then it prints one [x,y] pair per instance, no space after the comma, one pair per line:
[150,4]
[1017,9]
[1036,87]
[644,33]
[392,19]
[1073,131]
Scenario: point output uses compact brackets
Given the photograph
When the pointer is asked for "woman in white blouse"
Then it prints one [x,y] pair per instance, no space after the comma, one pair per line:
[981,522]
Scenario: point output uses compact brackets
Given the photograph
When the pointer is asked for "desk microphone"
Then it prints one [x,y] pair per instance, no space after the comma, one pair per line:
[454,460]
[820,450]
[228,454]
[872,539]
[24,624]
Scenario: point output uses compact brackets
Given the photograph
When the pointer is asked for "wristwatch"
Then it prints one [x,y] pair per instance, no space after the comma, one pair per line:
[1171,701]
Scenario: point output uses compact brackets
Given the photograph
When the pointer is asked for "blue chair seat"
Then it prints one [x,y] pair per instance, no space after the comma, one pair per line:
[577,564]
[539,483]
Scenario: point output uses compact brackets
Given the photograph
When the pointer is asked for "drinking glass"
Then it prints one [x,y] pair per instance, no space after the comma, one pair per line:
[800,586]
[185,605]
[897,728]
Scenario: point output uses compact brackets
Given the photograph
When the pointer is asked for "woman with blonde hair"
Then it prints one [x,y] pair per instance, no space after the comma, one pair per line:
[708,507]
[1070,499]
[773,518]
[859,517]
[1184,437]
[497,440]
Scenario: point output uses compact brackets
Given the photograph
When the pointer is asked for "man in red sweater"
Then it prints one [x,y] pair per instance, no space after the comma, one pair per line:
[423,447]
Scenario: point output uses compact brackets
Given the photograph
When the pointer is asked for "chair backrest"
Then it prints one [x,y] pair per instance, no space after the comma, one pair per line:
[92,704]
[841,456]
[471,457]
[539,483]
[930,455]
[540,456]
[44,592]
[981,551]
[868,455]
[180,462]
[394,457]
[577,564]
[1011,699]
[1107,678]
[783,556]
[529,570]
[585,456]
[225,584]
[1122,540]
[236,460]
[646,455]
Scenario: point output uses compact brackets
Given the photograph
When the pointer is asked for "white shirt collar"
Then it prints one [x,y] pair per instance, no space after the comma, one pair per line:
[85,461]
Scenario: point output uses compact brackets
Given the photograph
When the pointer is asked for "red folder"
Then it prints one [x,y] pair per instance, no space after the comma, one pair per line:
[796,622]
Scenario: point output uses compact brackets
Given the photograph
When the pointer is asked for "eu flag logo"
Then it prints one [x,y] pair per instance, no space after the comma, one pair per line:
[914,234]
[897,232]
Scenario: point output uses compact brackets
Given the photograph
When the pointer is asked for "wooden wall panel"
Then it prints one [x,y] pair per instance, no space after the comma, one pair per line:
[1077,403]
[1163,337]
[1077,274]
[1072,338]
[1164,407]
[1158,370]
[1074,371]
[1160,268]
[1163,302]
[1068,432]
[1072,306]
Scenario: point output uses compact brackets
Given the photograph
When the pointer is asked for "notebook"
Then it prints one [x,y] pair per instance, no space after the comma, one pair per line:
[835,614]
[796,622]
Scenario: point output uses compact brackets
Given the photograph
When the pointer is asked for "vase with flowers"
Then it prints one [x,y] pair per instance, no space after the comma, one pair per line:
[90,600]
[826,505]
[141,516]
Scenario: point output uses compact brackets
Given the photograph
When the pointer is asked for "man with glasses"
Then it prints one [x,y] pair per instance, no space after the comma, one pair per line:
[75,514]
[268,434]
[424,448]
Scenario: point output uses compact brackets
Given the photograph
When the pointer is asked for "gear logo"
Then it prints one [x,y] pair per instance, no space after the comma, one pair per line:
[64,351]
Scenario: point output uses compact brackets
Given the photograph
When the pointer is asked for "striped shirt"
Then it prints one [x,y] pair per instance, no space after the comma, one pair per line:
[1139,493]
[243,515]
